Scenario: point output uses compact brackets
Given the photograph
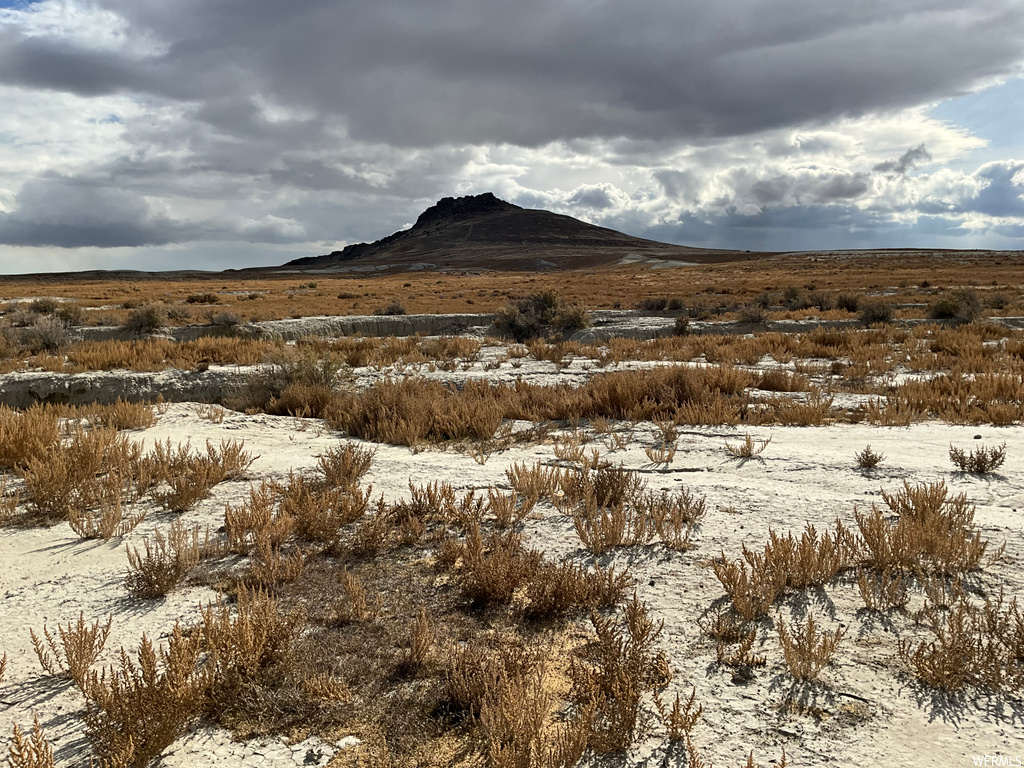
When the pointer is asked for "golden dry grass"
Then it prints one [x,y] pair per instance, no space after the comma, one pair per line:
[906,279]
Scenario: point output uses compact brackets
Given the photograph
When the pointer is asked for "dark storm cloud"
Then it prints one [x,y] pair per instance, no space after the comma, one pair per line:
[69,214]
[451,71]
[1003,194]
[910,159]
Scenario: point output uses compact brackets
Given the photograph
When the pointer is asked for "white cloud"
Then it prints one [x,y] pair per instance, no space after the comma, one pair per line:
[190,123]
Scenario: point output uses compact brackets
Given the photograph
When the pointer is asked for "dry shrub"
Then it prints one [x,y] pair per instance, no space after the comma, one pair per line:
[476,667]
[508,509]
[159,354]
[980,461]
[412,411]
[356,607]
[9,501]
[681,718]
[92,469]
[663,454]
[297,381]
[30,750]
[504,687]
[110,519]
[373,534]
[734,636]
[3,666]
[257,520]
[495,568]
[79,647]
[512,715]
[569,447]
[807,649]
[778,380]
[751,590]
[932,532]
[212,413]
[673,515]
[135,710]
[615,671]
[344,466]
[190,475]
[435,501]
[868,459]
[158,567]
[980,646]
[122,415]
[816,410]
[270,566]
[604,526]
[749,448]
[320,511]
[535,482]
[882,591]
[247,640]
[812,560]
[421,638]
[555,591]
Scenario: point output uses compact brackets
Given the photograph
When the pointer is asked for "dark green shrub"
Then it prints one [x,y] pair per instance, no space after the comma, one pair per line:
[69,313]
[146,319]
[394,308]
[527,318]
[203,298]
[961,304]
[753,313]
[876,312]
[653,304]
[43,306]
[849,302]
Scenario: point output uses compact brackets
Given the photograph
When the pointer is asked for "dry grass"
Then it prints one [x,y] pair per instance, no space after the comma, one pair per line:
[883,591]
[189,475]
[980,646]
[680,719]
[806,648]
[932,532]
[79,647]
[749,448]
[616,670]
[158,566]
[134,710]
[868,459]
[697,287]
[30,750]
[786,562]
[980,461]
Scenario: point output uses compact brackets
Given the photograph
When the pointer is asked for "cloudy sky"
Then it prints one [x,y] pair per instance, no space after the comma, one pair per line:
[161,134]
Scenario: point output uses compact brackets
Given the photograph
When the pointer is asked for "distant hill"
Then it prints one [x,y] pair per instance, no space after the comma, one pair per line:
[482,231]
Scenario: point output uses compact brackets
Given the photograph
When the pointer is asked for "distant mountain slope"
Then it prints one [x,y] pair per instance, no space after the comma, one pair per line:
[483,231]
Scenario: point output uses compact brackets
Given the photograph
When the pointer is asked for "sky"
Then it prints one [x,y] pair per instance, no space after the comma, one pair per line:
[214,134]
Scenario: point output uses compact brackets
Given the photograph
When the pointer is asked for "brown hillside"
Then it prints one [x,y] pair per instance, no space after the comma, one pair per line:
[483,231]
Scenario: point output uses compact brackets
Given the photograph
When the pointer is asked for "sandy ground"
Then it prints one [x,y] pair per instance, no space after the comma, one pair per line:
[865,712]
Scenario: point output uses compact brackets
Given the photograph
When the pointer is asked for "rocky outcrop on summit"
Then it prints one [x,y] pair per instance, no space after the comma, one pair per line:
[483,231]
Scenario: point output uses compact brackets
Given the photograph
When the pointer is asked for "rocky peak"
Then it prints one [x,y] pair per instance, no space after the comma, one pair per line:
[454,208]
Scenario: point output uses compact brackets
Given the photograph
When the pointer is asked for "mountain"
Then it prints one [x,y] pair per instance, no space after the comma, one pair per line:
[484,232]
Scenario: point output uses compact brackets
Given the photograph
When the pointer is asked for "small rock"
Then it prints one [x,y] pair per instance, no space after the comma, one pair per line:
[742,675]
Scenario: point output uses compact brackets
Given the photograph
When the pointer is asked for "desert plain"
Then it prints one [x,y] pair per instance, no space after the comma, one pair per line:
[785,495]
